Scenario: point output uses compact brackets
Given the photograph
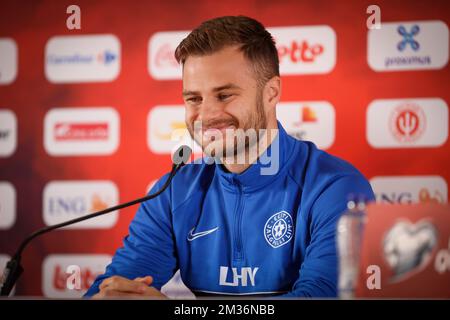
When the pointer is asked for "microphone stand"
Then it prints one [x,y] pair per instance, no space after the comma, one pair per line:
[14,269]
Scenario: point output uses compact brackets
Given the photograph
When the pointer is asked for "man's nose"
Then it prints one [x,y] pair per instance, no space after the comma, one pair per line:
[210,109]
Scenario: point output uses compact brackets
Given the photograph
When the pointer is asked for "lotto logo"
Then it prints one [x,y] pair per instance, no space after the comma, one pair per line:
[305,50]
[56,272]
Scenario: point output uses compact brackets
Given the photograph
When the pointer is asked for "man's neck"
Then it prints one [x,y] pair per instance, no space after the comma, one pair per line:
[252,153]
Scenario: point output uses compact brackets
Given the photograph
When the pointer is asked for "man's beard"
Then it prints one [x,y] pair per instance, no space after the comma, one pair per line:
[254,121]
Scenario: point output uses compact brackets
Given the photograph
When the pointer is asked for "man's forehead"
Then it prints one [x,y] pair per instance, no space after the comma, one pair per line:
[228,86]
[225,69]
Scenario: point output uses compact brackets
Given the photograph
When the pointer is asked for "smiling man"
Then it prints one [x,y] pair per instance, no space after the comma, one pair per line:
[231,226]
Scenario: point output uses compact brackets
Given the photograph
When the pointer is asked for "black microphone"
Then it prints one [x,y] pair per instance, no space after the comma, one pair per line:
[13,268]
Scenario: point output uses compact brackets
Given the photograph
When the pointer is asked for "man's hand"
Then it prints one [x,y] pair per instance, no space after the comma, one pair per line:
[117,286]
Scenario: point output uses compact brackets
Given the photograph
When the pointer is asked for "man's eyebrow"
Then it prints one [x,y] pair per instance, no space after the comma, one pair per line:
[225,87]
[217,89]
[190,93]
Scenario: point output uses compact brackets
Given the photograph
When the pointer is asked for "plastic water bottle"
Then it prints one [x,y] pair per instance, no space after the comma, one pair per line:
[350,230]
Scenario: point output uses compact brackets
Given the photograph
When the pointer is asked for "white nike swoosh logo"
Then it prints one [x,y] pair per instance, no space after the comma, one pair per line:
[192,236]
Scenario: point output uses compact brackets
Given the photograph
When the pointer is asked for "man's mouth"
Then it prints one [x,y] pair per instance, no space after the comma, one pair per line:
[216,131]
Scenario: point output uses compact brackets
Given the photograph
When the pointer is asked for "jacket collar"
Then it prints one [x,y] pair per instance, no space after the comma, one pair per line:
[270,165]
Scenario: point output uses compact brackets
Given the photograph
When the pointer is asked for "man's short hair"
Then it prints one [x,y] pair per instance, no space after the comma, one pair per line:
[256,43]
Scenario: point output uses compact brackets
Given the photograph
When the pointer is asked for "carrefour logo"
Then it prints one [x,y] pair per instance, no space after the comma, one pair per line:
[104,57]
[86,58]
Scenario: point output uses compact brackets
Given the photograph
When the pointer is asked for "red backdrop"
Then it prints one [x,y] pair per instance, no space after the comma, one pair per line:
[349,87]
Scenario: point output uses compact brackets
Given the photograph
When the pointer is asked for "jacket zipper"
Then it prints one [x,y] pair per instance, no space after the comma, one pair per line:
[238,255]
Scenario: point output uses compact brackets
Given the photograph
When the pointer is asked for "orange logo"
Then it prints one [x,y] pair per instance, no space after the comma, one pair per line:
[97,203]
[426,197]
[173,126]
[307,115]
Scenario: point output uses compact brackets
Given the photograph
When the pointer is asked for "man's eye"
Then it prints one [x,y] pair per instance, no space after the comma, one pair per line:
[194,99]
[224,96]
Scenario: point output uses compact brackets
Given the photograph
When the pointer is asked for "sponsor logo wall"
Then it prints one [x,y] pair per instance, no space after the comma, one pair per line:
[89,118]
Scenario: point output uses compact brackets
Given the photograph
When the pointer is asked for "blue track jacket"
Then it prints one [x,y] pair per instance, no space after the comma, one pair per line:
[248,233]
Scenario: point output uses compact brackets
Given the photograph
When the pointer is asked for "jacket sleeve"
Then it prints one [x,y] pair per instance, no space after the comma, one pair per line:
[149,248]
[318,273]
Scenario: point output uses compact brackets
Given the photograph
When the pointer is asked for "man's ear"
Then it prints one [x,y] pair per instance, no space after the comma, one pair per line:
[272,91]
